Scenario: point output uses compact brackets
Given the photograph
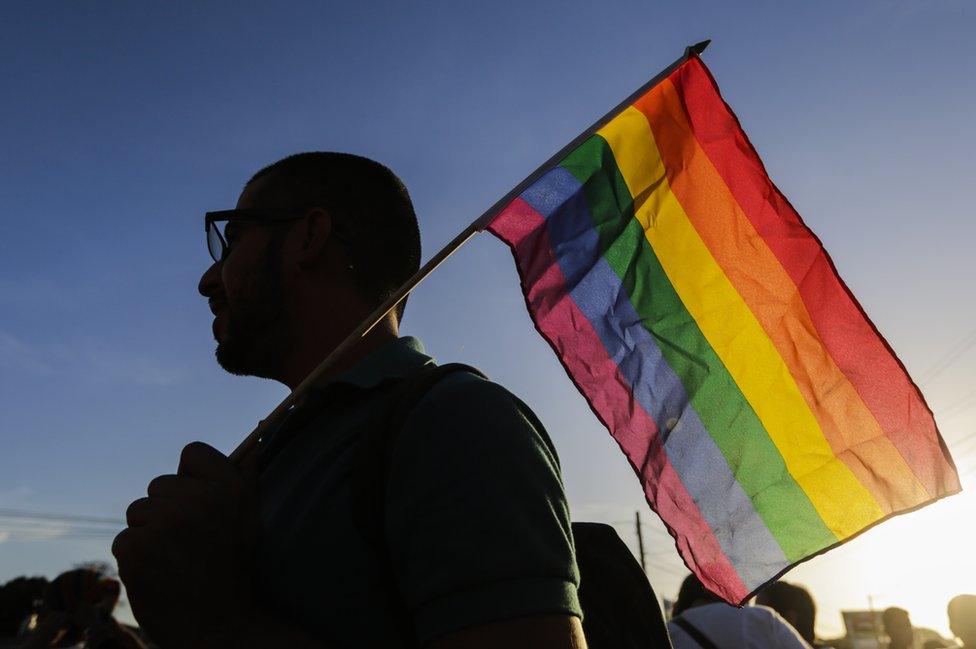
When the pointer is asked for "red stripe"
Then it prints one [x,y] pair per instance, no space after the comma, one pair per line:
[571,336]
[848,335]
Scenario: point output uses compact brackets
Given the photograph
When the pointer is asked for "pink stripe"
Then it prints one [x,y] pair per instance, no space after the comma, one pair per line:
[571,336]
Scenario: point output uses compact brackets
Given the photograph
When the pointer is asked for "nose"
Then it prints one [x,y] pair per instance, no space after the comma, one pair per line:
[210,281]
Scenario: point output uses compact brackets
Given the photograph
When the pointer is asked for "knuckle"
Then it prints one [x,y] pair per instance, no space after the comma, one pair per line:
[121,546]
[159,484]
[135,508]
[190,451]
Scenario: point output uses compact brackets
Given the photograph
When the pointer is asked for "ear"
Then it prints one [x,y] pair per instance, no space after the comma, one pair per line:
[316,231]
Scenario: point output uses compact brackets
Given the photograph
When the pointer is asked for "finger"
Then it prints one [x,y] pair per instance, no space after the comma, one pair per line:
[138,512]
[129,550]
[203,461]
[149,511]
[122,546]
[195,498]
[178,487]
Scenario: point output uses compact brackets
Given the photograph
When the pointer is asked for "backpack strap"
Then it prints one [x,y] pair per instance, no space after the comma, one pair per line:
[696,634]
[374,454]
[370,473]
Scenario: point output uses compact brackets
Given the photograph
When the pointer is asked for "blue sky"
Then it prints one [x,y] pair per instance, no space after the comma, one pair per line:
[122,123]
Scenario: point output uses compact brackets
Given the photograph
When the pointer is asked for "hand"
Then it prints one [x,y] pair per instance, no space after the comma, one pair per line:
[186,556]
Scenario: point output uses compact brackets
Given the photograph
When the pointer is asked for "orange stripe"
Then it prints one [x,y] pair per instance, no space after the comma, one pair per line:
[851,430]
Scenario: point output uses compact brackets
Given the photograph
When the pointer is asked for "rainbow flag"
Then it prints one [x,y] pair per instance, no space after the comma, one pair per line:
[765,416]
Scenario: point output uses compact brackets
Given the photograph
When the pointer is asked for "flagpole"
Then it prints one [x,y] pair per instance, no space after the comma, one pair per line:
[276,415]
[479,225]
[486,218]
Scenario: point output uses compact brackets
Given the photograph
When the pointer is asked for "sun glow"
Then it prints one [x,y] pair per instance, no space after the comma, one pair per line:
[917,562]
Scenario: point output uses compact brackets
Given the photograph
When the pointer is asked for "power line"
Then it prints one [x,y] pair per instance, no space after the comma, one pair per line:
[60,535]
[960,405]
[950,357]
[646,526]
[964,439]
[668,569]
[59,518]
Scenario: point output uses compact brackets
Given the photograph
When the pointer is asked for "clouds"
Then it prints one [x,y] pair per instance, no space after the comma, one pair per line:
[46,533]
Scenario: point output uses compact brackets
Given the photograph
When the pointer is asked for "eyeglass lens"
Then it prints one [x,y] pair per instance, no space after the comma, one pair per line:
[215,242]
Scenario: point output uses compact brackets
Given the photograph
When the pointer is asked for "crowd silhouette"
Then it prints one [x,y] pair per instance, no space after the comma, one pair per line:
[75,609]
[784,617]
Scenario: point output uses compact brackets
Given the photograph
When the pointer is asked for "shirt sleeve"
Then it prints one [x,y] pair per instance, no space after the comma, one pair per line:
[477,519]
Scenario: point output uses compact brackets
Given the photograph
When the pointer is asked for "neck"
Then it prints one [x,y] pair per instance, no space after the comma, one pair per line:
[319,345]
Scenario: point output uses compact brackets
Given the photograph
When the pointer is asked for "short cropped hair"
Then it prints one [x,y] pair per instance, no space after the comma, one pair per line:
[962,608]
[783,597]
[892,613]
[365,198]
[691,594]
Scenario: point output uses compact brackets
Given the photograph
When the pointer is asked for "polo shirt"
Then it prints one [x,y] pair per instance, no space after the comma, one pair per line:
[476,519]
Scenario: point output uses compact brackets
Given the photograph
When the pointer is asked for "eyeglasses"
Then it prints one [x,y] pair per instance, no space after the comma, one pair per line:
[217,243]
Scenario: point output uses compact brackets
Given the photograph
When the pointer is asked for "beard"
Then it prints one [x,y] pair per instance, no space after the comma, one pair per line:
[254,337]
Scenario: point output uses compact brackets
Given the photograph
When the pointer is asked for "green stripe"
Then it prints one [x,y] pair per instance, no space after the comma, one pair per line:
[731,421]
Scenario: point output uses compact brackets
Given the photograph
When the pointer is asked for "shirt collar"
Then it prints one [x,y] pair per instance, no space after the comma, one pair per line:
[396,359]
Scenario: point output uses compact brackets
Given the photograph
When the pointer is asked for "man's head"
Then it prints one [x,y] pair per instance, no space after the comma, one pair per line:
[792,602]
[350,240]
[691,594]
[898,626]
[962,618]
[84,594]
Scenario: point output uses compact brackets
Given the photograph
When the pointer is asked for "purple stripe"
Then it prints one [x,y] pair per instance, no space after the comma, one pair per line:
[600,295]
[570,334]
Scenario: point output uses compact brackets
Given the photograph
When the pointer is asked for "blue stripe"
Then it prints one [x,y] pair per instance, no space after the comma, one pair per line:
[598,291]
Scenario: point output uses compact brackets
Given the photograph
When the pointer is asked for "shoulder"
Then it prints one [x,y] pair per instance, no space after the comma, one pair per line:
[464,390]
[773,629]
[750,626]
[468,407]
[473,475]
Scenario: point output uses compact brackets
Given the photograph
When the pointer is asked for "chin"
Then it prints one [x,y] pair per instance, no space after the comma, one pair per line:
[244,360]
[233,360]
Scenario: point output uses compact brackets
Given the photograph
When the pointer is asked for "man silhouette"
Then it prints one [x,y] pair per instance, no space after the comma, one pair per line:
[700,620]
[898,627]
[795,604]
[478,550]
[962,619]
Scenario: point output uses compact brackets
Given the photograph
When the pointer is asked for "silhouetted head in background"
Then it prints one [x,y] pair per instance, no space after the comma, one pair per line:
[794,603]
[288,291]
[17,598]
[691,594]
[81,594]
[962,619]
[898,627]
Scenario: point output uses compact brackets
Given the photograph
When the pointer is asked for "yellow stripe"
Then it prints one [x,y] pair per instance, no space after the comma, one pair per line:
[738,339]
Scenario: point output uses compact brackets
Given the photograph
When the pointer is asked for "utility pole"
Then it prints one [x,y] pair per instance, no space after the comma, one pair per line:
[640,543]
